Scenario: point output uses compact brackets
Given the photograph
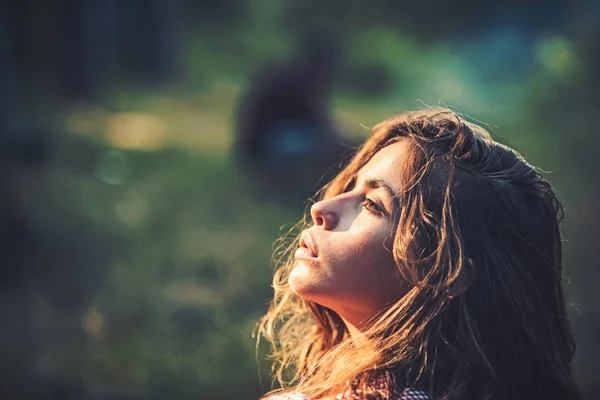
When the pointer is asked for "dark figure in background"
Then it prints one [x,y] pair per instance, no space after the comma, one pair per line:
[283,121]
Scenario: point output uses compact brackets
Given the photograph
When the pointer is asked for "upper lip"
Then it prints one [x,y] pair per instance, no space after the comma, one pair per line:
[307,242]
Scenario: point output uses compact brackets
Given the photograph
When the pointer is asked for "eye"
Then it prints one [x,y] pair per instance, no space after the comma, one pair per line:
[372,207]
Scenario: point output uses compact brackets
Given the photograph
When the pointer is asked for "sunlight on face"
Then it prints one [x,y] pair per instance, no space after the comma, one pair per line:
[345,261]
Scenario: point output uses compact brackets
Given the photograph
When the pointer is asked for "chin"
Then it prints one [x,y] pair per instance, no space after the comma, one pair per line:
[296,280]
[302,282]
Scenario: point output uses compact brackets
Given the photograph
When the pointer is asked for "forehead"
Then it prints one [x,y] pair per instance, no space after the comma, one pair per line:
[387,164]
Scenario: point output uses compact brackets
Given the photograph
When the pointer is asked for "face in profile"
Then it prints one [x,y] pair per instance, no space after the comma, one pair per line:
[345,261]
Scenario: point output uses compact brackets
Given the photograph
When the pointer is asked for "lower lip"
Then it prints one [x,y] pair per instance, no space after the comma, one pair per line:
[304,254]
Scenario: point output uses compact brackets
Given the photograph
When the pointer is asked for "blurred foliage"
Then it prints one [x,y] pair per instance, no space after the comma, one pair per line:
[177,308]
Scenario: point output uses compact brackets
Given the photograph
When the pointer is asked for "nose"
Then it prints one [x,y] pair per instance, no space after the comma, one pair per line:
[323,215]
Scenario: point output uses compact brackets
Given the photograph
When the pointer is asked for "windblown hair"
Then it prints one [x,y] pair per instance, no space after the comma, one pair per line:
[478,240]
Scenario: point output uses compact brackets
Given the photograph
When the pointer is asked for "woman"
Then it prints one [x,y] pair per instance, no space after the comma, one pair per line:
[431,270]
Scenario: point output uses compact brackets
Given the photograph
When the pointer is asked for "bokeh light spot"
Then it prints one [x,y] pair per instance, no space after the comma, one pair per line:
[136,131]
[556,55]
[113,167]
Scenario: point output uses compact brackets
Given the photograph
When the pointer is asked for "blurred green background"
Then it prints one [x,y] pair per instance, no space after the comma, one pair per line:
[136,256]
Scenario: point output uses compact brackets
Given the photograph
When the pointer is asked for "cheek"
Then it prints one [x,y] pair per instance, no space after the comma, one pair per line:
[359,250]
[364,261]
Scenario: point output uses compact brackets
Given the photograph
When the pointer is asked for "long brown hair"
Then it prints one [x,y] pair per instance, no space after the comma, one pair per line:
[478,239]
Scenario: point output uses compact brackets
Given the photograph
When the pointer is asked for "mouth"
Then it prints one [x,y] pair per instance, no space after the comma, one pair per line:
[307,249]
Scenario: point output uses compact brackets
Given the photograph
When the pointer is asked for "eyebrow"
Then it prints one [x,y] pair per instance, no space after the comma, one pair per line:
[376,183]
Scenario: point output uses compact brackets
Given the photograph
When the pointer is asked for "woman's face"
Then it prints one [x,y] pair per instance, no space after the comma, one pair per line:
[344,261]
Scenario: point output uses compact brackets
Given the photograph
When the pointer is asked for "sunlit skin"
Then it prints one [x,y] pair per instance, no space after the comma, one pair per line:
[353,271]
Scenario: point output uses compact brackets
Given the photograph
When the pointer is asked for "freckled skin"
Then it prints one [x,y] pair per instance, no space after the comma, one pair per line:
[355,274]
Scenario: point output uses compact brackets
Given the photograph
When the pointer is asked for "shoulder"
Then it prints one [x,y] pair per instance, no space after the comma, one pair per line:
[400,393]
[411,394]
[406,394]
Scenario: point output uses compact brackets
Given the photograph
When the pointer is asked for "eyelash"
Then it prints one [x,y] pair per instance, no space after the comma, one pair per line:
[372,207]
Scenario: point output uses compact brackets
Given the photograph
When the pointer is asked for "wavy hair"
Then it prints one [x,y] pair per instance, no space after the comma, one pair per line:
[478,239]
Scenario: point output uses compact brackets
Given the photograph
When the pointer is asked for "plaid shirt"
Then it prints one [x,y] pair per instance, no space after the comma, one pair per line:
[406,394]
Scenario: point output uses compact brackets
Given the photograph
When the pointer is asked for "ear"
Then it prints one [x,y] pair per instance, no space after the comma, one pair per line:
[464,279]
